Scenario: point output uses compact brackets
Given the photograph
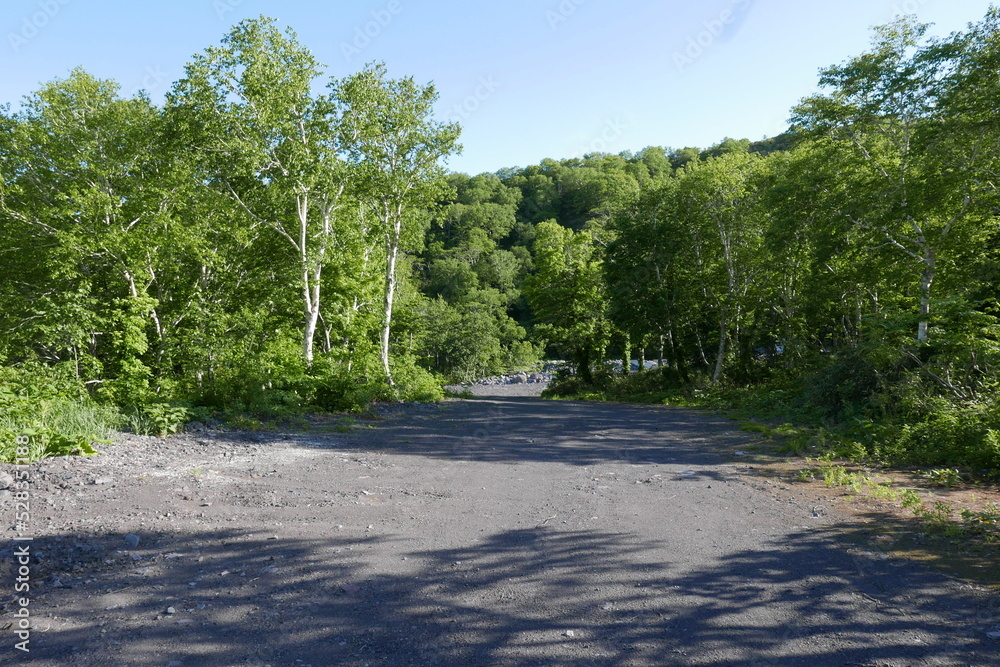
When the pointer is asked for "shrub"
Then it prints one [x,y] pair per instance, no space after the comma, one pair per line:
[50,406]
[963,435]
[414,383]
[334,388]
[160,419]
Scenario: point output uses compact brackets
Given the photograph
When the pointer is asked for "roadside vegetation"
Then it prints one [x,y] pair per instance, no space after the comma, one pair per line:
[269,242]
[846,286]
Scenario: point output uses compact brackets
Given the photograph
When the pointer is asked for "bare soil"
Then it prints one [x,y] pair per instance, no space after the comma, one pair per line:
[500,531]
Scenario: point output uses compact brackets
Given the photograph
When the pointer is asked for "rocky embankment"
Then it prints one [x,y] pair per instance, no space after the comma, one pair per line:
[515,384]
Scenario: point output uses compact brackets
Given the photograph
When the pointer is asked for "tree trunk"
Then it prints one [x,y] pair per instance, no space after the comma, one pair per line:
[310,292]
[701,349]
[627,354]
[926,282]
[583,365]
[310,282]
[727,251]
[674,363]
[390,294]
[721,355]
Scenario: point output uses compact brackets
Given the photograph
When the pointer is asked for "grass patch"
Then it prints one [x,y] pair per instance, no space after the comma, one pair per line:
[938,518]
[47,412]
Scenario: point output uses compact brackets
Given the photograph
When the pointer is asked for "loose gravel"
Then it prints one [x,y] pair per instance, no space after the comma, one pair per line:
[500,531]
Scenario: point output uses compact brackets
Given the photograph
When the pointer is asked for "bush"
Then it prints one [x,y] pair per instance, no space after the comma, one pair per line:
[50,406]
[566,384]
[337,389]
[845,386]
[160,419]
[269,382]
[653,386]
[963,435]
[414,383]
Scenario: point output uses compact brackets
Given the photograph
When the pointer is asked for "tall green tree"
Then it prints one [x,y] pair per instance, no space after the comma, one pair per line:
[86,201]
[567,294]
[911,172]
[646,269]
[389,131]
[271,145]
[718,202]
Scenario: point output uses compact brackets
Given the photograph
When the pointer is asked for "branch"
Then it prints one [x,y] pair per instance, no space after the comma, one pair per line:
[889,238]
[276,227]
[965,207]
[937,378]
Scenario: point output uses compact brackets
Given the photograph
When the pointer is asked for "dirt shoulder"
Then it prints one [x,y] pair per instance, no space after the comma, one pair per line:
[952,528]
[498,531]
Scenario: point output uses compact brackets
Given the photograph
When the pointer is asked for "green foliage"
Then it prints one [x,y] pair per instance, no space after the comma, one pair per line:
[50,407]
[955,435]
[395,145]
[984,523]
[567,294]
[336,388]
[842,287]
[258,249]
[267,144]
[159,419]
[837,476]
[939,519]
[44,442]
[910,498]
[266,377]
[414,383]
[661,385]
[472,339]
[946,477]
[465,328]
[887,425]
[129,381]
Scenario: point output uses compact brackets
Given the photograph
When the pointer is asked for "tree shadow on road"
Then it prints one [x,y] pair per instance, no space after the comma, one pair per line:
[539,596]
[516,430]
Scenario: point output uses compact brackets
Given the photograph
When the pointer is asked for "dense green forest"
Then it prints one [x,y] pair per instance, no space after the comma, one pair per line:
[269,242]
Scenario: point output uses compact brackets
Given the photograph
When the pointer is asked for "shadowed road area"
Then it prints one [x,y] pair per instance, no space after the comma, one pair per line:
[488,532]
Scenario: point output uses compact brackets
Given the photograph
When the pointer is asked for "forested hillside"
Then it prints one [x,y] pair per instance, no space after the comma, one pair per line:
[269,242]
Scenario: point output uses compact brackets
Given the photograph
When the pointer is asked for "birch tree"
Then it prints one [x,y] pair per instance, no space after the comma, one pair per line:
[270,145]
[396,145]
[909,169]
[717,200]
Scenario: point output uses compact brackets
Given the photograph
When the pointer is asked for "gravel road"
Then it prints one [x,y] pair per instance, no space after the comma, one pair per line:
[500,531]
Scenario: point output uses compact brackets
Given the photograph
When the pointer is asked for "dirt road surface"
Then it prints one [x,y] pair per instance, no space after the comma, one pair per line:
[503,531]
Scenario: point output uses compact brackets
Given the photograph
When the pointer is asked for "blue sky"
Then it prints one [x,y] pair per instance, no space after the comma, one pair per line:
[528,79]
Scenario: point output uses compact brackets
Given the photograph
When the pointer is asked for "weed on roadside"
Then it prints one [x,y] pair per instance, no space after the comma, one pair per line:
[159,419]
[346,425]
[937,519]
[946,477]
